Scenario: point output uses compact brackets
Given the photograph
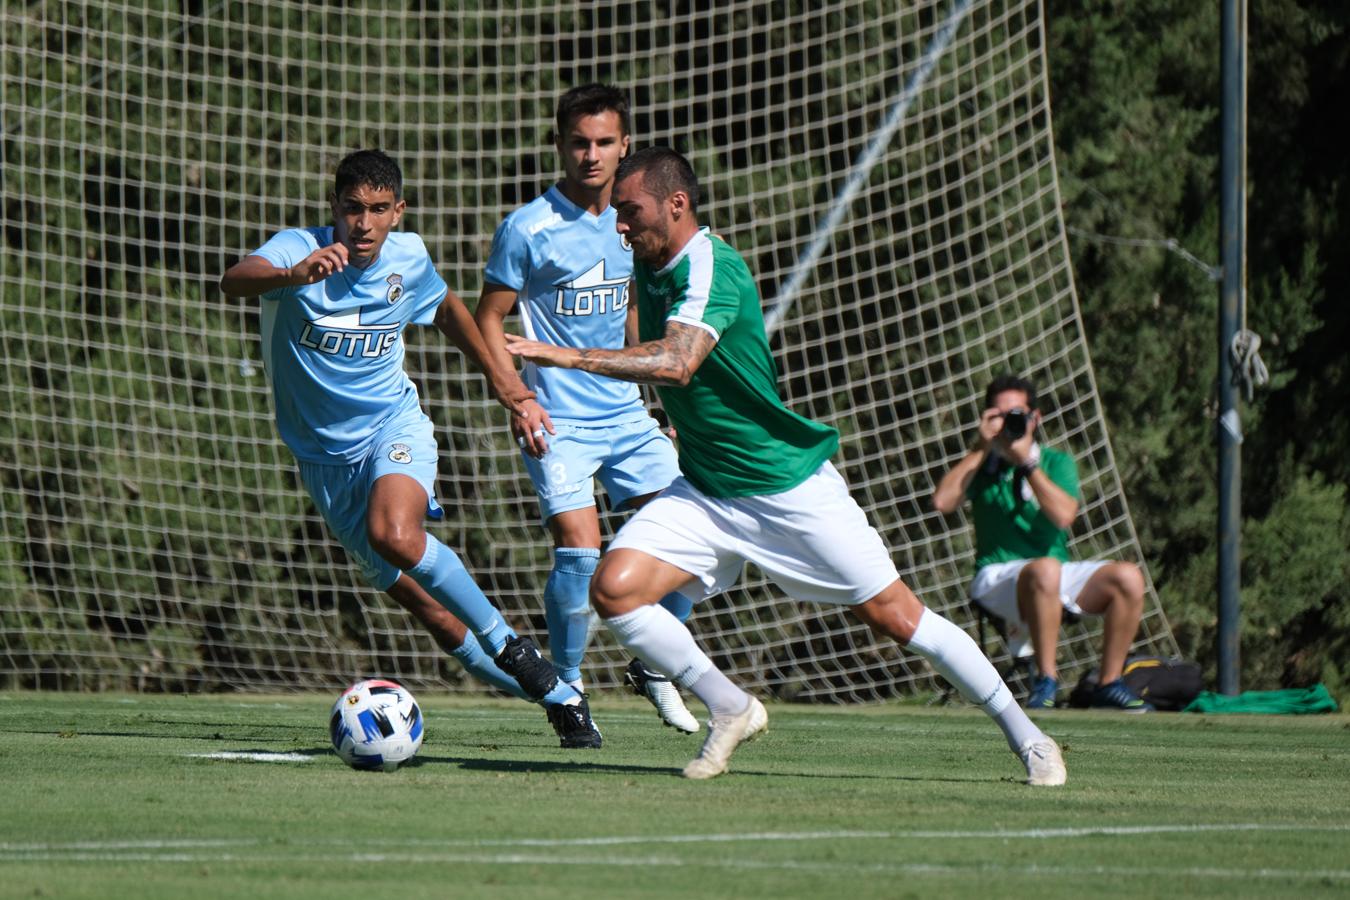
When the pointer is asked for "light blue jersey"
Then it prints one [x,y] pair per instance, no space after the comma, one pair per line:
[570,271]
[334,350]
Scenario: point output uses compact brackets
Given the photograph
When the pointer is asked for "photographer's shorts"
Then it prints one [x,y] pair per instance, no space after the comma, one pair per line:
[995,589]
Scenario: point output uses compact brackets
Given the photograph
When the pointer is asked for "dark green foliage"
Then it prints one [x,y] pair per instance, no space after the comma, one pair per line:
[1136,93]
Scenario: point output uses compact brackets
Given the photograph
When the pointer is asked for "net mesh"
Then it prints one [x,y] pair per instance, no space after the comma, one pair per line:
[153,532]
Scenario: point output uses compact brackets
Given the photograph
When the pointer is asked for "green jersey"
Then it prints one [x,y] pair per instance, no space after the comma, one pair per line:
[1010,526]
[735,436]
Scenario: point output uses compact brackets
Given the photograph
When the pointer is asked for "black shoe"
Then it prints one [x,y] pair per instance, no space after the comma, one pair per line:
[574,726]
[521,659]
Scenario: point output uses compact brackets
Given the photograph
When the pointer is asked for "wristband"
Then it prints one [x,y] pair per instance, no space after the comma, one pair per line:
[1033,461]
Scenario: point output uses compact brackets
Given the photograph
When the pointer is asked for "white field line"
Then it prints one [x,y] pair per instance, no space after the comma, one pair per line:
[11,848]
[253,757]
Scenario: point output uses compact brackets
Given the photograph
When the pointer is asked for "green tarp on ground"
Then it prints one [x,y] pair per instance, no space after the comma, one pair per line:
[1293,701]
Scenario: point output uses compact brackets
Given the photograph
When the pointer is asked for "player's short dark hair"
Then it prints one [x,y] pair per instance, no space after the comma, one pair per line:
[590,100]
[1010,382]
[371,168]
[665,173]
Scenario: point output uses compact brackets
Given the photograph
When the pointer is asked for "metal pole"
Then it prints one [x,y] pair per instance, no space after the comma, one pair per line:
[1232,243]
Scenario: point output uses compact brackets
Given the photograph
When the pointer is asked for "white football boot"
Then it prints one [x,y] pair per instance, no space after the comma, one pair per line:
[1044,762]
[663,694]
[724,736]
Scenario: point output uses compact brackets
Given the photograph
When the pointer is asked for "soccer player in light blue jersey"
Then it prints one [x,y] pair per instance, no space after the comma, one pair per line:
[560,262]
[336,300]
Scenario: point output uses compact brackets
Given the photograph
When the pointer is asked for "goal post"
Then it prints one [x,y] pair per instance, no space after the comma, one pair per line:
[886,169]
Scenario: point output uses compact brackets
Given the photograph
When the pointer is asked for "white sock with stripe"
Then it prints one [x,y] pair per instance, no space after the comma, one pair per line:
[959,660]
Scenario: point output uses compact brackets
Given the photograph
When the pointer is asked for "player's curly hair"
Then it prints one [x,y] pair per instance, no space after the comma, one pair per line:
[590,100]
[1010,382]
[369,168]
[666,172]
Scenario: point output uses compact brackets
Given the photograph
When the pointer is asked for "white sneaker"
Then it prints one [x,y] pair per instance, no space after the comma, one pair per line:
[1044,762]
[663,694]
[724,736]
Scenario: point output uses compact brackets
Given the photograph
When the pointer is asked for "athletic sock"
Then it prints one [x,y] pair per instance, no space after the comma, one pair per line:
[719,694]
[562,693]
[655,636]
[958,659]
[443,576]
[478,664]
[678,605]
[567,608]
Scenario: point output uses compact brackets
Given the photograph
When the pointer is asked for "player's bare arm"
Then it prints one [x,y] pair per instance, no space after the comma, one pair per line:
[456,323]
[672,360]
[254,276]
[530,427]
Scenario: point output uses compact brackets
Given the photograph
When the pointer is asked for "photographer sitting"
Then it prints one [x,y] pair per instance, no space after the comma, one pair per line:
[1023,500]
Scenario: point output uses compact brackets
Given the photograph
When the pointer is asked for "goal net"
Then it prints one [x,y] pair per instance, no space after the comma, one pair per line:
[887,170]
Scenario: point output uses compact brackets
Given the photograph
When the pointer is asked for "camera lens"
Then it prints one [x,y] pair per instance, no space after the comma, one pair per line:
[1015,423]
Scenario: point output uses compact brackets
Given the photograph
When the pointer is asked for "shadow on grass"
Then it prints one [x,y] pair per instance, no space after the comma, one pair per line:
[479,764]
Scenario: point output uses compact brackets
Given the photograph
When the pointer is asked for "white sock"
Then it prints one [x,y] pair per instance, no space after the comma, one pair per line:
[659,639]
[719,694]
[957,658]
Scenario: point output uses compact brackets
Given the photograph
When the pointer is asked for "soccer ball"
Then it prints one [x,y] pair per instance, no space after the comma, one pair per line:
[376,725]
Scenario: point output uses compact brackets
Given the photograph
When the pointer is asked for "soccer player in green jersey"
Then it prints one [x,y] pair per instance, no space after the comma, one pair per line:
[756,482]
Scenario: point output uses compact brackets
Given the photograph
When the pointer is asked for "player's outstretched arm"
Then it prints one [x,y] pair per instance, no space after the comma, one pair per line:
[455,322]
[672,360]
[530,430]
[254,276]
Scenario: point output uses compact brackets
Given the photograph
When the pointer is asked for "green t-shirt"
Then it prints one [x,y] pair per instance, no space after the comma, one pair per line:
[735,436]
[1009,527]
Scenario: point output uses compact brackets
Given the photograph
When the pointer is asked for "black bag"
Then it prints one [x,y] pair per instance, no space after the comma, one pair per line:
[1168,684]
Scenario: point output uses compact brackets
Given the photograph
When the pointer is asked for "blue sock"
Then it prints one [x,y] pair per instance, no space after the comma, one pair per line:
[478,664]
[443,576]
[567,608]
[678,605]
[564,693]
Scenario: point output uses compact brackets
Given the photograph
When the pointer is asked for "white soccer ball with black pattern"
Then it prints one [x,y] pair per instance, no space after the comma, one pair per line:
[376,724]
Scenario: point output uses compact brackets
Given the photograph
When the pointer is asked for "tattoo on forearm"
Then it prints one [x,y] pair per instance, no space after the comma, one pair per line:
[671,360]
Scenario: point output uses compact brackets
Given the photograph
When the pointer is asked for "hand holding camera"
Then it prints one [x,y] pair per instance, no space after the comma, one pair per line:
[1009,433]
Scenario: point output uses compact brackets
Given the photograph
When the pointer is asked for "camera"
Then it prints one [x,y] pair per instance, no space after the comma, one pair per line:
[1015,423]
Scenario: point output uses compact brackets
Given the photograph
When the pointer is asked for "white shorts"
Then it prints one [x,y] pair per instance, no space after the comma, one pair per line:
[995,589]
[813,541]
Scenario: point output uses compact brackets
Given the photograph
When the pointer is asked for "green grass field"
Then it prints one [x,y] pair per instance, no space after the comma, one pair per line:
[121,796]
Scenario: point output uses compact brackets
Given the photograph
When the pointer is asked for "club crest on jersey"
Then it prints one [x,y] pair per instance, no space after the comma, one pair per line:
[395,288]
[623,240]
[591,293]
[400,453]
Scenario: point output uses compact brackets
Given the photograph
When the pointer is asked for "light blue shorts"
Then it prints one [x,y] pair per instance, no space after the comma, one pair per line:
[630,459]
[406,445]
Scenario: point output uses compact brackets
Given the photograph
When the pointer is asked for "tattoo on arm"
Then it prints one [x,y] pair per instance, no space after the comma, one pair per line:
[672,360]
